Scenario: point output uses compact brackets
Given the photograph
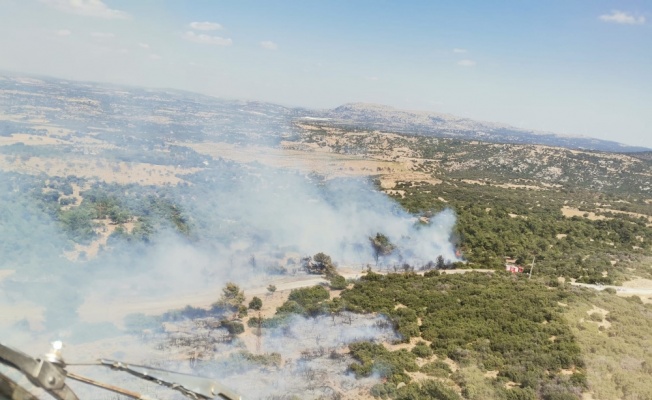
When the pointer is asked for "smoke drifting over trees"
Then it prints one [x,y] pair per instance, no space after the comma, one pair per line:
[76,246]
[228,213]
[282,210]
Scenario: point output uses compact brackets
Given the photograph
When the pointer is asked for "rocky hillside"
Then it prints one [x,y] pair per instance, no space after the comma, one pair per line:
[523,164]
[116,113]
[373,116]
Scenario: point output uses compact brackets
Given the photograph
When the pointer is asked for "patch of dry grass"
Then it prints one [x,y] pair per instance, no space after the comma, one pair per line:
[618,357]
[95,168]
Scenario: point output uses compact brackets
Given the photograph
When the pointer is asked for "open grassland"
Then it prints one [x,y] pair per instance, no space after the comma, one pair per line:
[615,335]
[315,160]
[94,168]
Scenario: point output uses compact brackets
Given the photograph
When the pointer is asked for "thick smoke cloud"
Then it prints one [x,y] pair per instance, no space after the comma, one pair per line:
[312,360]
[242,222]
[312,350]
[236,213]
[285,210]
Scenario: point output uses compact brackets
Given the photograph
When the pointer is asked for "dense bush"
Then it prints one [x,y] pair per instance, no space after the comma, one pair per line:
[499,321]
[427,390]
[437,369]
[422,350]
[337,282]
[233,327]
[494,223]
[309,301]
[376,359]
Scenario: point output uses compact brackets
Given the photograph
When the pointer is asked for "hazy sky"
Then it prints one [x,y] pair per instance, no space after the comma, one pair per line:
[569,66]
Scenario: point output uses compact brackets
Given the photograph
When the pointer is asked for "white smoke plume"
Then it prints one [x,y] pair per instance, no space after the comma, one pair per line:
[305,214]
[312,355]
[240,222]
[244,212]
[312,350]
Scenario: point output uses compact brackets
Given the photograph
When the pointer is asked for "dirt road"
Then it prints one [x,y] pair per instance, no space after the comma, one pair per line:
[100,310]
[637,287]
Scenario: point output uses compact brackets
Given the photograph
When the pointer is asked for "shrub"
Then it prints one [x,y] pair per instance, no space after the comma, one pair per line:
[337,282]
[306,301]
[233,327]
[597,317]
[427,390]
[256,303]
[290,307]
[422,350]
[376,359]
[437,369]
[267,360]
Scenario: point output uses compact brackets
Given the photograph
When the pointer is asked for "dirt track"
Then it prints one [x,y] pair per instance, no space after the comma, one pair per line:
[630,288]
[115,311]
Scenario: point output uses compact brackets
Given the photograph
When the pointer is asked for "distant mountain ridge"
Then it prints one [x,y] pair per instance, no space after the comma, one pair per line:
[198,115]
[381,117]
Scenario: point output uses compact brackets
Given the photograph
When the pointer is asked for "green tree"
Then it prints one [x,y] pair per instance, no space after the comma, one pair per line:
[323,259]
[256,303]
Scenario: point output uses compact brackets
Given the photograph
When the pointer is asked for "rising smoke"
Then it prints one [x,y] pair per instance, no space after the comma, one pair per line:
[236,213]
[276,216]
[314,363]
[272,210]
[310,358]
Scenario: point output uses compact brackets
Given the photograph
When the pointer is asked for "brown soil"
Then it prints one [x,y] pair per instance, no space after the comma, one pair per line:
[316,160]
[570,212]
[96,168]
[603,313]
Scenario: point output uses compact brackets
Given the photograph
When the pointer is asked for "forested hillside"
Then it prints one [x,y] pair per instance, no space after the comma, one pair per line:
[496,325]
[129,200]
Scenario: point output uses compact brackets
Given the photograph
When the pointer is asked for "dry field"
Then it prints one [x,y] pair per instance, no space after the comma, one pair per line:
[570,212]
[91,165]
[505,185]
[97,169]
[317,160]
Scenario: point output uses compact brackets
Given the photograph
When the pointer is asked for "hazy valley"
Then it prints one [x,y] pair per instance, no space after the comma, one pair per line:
[121,206]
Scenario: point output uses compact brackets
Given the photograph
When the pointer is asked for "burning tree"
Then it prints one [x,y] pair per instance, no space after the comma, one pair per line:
[381,246]
[441,264]
[320,263]
[231,299]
